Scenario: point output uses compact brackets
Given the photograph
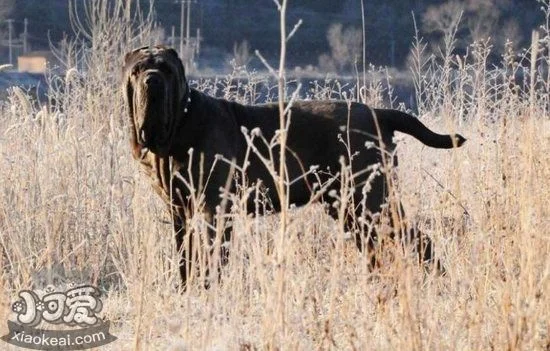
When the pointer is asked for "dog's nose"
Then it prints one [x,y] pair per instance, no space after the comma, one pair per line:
[152,80]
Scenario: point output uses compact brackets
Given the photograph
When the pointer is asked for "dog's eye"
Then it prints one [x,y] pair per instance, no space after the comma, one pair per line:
[137,69]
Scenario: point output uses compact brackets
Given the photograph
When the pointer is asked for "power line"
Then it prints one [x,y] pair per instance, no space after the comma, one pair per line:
[12,43]
[189,46]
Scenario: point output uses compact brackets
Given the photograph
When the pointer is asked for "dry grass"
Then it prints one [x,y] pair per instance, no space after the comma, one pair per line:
[71,195]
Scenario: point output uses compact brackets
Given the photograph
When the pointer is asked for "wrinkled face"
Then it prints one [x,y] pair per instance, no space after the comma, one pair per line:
[154,87]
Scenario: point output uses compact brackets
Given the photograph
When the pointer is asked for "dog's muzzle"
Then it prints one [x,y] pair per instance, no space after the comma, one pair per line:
[153,82]
[152,120]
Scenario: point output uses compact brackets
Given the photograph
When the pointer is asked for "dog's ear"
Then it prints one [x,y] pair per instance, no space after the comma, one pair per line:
[130,55]
[172,52]
[174,55]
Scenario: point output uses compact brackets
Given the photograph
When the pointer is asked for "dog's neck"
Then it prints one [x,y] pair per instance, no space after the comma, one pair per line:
[186,99]
[184,118]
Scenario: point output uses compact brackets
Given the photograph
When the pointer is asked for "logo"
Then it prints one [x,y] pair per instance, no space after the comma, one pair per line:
[72,308]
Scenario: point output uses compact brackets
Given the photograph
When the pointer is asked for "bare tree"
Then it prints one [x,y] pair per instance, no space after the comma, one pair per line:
[483,17]
[481,20]
[241,53]
[345,46]
[484,21]
[443,18]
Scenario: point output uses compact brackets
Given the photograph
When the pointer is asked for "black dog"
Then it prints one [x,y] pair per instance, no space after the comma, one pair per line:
[168,119]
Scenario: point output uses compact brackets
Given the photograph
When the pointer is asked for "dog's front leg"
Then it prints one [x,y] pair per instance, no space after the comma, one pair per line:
[184,245]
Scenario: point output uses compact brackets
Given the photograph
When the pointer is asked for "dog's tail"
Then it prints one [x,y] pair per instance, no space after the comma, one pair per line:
[405,123]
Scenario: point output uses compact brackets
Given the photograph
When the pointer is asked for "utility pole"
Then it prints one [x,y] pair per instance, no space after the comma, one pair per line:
[189,46]
[25,36]
[188,23]
[10,31]
[182,18]
[198,41]
[172,38]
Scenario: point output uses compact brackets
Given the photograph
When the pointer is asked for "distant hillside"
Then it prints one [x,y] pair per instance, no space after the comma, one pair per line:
[389,24]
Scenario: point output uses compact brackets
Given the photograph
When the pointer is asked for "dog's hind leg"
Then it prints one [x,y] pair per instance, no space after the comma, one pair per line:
[424,247]
[218,251]
[364,234]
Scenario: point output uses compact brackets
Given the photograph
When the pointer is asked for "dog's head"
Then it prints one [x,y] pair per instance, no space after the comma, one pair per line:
[154,88]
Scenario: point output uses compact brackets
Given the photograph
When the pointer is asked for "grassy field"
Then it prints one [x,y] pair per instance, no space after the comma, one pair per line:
[73,199]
